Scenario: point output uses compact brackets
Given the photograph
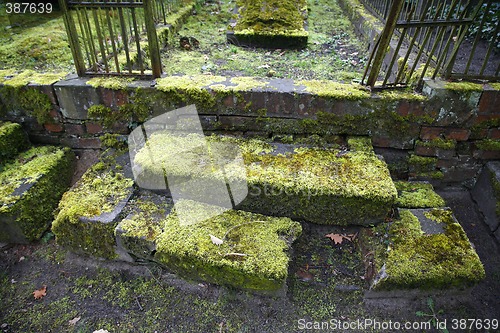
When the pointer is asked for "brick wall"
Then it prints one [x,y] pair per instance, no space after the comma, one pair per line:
[445,136]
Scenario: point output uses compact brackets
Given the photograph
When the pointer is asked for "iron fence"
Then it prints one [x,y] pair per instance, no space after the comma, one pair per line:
[455,38]
[116,37]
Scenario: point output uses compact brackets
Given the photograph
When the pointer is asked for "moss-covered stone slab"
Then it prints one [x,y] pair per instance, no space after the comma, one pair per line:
[270,24]
[417,195]
[424,249]
[90,211]
[31,185]
[321,185]
[235,248]
[138,232]
[13,140]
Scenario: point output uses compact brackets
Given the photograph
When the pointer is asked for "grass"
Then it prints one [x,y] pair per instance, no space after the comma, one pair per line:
[333,52]
[36,42]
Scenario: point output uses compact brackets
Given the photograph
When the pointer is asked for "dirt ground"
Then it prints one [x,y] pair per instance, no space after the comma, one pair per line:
[325,286]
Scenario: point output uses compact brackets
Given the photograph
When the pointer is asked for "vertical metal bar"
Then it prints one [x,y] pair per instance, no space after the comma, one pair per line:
[91,39]
[490,47]
[463,31]
[137,42]
[73,38]
[86,43]
[385,41]
[125,38]
[99,39]
[154,49]
[438,37]
[113,42]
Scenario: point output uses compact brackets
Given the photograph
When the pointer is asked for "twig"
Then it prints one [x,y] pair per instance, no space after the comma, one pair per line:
[138,303]
[236,254]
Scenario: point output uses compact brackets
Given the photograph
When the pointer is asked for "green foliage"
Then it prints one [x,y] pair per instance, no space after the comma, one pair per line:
[432,315]
[488,29]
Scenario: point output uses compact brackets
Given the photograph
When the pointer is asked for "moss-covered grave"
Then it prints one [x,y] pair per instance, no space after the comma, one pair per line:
[270,24]
[31,185]
[425,248]
[320,185]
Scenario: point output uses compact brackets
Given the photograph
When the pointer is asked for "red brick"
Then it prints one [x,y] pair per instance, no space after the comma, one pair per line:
[120,97]
[484,117]
[406,108]
[54,128]
[93,128]
[430,133]
[489,102]
[75,129]
[494,133]
[458,134]
[425,151]
[107,97]
[228,101]
[487,154]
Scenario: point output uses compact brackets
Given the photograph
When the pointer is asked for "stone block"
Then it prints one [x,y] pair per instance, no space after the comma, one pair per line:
[323,186]
[486,193]
[234,248]
[428,250]
[137,233]
[31,186]
[488,104]
[75,97]
[90,210]
[13,140]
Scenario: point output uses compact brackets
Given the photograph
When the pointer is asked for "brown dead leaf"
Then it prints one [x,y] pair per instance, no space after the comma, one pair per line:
[339,238]
[38,294]
[336,238]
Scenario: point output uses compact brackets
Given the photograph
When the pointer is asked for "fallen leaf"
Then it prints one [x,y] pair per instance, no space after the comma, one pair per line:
[336,238]
[38,294]
[304,275]
[216,240]
[73,321]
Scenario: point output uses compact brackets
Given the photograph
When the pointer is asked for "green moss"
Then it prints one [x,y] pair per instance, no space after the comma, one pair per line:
[260,240]
[15,95]
[20,79]
[417,195]
[360,143]
[418,260]
[463,86]
[13,139]
[495,86]
[271,17]
[115,141]
[113,83]
[488,144]
[77,224]
[308,183]
[422,163]
[402,95]
[335,90]
[438,143]
[47,171]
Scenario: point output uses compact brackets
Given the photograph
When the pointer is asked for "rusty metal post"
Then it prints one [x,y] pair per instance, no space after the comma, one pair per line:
[73,38]
[154,49]
[385,40]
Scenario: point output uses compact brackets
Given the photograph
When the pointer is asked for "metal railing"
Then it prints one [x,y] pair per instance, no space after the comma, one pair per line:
[423,38]
[116,37]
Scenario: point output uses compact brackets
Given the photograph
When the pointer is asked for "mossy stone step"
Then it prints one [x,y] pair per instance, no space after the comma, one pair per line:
[423,248]
[416,194]
[13,140]
[235,248]
[320,185]
[31,185]
[90,211]
[486,193]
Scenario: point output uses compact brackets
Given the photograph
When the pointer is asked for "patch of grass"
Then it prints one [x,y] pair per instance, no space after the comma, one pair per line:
[333,51]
